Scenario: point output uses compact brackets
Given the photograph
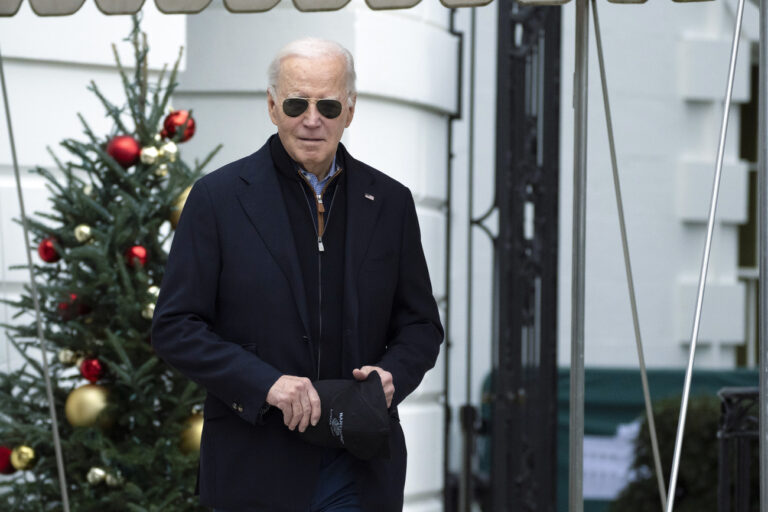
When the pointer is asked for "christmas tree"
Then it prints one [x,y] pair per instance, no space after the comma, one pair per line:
[129,424]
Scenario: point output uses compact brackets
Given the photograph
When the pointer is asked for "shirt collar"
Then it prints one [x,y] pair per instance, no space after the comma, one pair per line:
[313,179]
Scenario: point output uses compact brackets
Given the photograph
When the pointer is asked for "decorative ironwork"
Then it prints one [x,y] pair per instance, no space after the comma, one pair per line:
[524,398]
[738,437]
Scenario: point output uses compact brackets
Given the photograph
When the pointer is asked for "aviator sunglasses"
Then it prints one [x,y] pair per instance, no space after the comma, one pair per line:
[294,107]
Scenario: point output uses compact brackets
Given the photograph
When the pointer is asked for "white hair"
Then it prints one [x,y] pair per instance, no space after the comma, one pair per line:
[312,47]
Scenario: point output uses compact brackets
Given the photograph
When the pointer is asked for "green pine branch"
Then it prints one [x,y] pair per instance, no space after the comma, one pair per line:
[149,402]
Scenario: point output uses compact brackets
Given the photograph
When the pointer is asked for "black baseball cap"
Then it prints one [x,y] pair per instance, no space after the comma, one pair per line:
[354,416]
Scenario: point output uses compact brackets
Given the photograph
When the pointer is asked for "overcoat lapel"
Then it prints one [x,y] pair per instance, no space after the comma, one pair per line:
[260,196]
[363,207]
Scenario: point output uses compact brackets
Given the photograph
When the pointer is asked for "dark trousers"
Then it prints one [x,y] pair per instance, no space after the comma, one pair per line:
[336,491]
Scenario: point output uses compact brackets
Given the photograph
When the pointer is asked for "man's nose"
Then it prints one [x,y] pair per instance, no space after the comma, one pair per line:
[312,115]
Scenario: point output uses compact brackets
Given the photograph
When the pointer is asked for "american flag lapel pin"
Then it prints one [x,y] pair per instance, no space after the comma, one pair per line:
[369,196]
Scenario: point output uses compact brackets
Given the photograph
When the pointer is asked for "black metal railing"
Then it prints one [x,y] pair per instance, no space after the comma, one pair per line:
[738,437]
[524,378]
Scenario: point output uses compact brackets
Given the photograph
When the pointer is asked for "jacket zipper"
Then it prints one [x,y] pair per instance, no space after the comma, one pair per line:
[319,231]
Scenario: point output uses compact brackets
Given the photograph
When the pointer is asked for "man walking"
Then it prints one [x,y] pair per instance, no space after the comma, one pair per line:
[296,264]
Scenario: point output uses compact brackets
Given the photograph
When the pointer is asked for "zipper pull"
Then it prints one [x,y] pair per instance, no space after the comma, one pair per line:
[320,246]
[320,205]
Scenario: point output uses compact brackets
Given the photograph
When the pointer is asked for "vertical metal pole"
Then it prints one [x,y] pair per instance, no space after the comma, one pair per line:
[762,219]
[468,414]
[36,301]
[705,261]
[743,459]
[449,502]
[723,472]
[576,434]
[627,264]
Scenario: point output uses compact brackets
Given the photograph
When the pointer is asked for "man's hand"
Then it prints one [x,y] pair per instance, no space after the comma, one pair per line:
[297,398]
[386,380]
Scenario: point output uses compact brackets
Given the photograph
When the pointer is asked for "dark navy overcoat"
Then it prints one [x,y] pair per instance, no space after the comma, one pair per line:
[232,316]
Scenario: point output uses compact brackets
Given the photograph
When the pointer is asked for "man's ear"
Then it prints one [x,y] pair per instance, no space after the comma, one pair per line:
[351,111]
[271,106]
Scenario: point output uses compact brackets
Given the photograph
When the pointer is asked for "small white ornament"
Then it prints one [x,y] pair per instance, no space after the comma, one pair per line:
[149,155]
[96,476]
[170,151]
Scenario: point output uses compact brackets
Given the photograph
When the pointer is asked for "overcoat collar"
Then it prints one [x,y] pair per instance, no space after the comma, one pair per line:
[261,197]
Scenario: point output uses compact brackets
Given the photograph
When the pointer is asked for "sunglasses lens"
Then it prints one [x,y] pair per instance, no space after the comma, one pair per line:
[329,108]
[294,107]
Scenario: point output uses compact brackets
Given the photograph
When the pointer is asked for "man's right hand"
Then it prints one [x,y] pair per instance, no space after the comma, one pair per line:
[297,398]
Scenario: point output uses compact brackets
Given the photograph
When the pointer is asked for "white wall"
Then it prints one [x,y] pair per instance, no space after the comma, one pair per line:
[666,67]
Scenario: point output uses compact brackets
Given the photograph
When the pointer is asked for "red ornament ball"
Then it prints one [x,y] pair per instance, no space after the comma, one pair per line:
[6,468]
[125,150]
[73,307]
[47,252]
[176,120]
[66,308]
[91,369]
[136,253]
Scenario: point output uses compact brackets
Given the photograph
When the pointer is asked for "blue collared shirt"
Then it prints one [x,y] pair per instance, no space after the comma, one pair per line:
[318,185]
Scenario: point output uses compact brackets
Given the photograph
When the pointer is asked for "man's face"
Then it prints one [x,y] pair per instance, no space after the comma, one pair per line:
[310,138]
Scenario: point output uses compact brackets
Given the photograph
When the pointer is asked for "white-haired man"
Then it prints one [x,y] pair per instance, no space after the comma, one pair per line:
[295,264]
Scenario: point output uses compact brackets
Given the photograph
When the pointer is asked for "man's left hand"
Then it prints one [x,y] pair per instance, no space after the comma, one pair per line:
[386,380]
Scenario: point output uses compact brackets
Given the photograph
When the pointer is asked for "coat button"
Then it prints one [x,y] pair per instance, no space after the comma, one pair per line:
[305,338]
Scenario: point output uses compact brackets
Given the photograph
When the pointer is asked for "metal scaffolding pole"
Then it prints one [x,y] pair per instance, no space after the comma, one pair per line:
[705,260]
[762,219]
[576,434]
[628,265]
[36,300]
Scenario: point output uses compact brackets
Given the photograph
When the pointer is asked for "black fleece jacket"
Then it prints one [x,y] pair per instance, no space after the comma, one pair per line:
[323,272]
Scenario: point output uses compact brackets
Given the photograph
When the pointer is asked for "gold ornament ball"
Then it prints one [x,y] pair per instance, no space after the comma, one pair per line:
[154,291]
[84,405]
[149,311]
[96,476]
[22,457]
[67,357]
[149,155]
[162,170]
[178,206]
[170,151]
[193,431]
[88,190]
[83,233]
